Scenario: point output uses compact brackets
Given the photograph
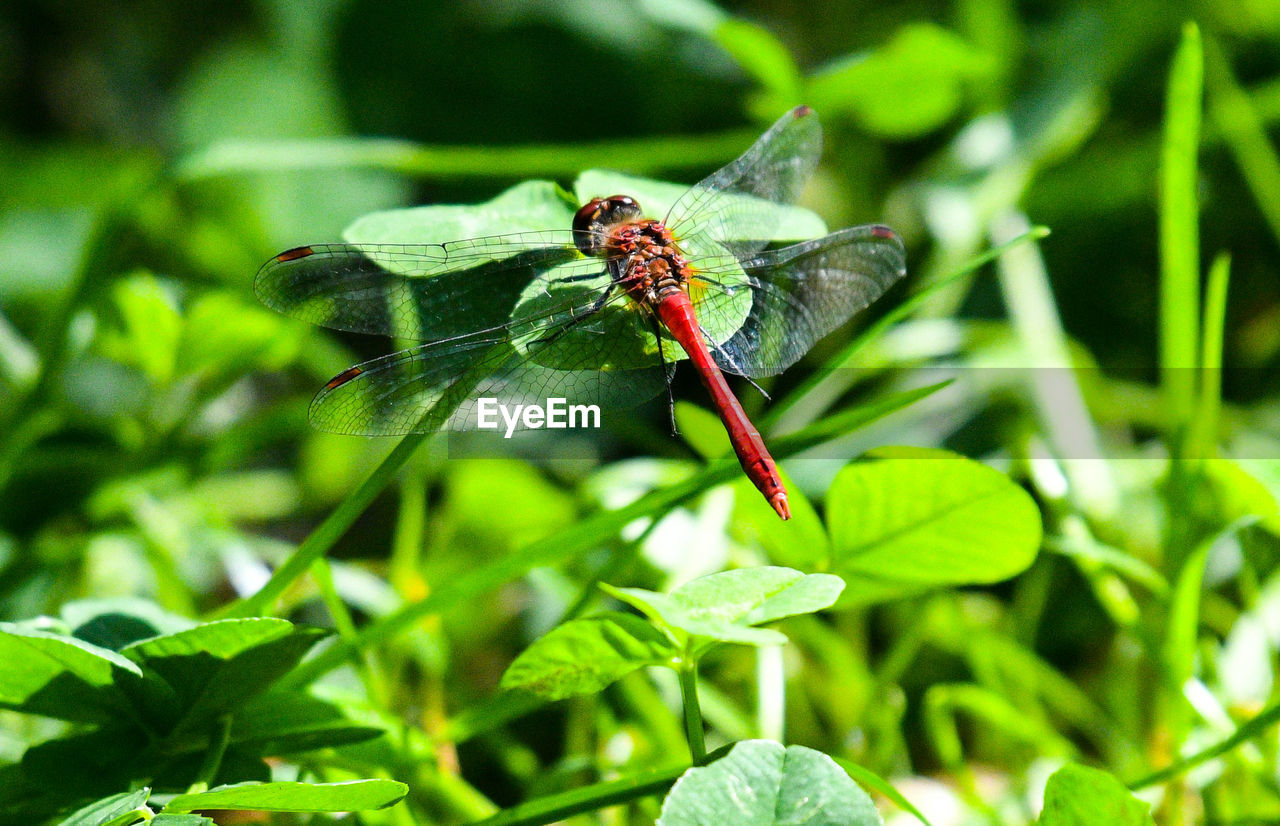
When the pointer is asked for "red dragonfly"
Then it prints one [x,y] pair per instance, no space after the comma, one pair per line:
[598,312]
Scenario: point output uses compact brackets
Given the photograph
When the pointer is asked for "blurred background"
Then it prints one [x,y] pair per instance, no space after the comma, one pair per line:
[154,154]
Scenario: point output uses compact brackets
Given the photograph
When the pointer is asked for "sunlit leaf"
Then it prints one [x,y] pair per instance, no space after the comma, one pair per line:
[61,677]
[217,666]
[349,796]
[900,526]
[117,809]
[1080,796]
[583,656]
[760,783]
[525,207]
[907,87]
[657,197]
[724,606]
[149,327]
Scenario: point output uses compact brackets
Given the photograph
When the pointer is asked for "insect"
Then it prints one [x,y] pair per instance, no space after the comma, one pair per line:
[597,312]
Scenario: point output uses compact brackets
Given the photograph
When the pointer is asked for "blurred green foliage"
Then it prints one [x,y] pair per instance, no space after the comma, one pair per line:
[155,441]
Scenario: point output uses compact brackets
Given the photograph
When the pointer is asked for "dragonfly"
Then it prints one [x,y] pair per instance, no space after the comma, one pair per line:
[598,312]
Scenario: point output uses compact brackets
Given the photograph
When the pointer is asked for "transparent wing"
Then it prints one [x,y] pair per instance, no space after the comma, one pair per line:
[424,291]
[799,294]
[438,385]
[737,206]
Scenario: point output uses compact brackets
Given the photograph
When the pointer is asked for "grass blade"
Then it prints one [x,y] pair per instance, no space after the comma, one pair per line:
[1179,234]
[1236,117]
[1204,432]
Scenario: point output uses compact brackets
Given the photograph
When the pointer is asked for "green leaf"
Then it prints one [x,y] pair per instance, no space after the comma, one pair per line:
[1180,649]
[1238,491]
[1251,729]
[760,783]
[900,526]
[289,722]
[118,621]
[801,542]
[908,87]
[117,810]
[1202,442]
[526,207]
[217,666]
[247,495]
[875,782]
[62,677]
[226,335]
[664,610]
[1244,130]
[349,796]
[693,16]
[657,198]
[1080,796]
[904,525]
[93,763]
[724,606]
[585,655]
[754,596]
[182,820]
[761,55]
[147,337]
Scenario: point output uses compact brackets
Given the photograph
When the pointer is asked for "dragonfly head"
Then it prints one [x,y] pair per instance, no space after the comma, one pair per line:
[592,222]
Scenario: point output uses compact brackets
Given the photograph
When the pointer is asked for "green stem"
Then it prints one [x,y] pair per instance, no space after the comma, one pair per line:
[1179,236]
[1242,121]
[1246,732]
[1204,429]
[692,711]
[328,533]
[557,807]
[322,572]
[213,757]
[21,412]
[646,155]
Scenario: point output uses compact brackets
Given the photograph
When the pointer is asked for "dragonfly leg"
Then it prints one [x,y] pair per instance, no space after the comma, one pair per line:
[595,307]
[573,279]
[666,376]
[736,369]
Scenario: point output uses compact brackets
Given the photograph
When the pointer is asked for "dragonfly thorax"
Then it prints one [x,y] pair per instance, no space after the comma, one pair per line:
[645,261]
[643,257]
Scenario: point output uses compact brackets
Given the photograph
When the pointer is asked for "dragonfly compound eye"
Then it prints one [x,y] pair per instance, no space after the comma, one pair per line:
[588,228]
[620,208]
[593,220]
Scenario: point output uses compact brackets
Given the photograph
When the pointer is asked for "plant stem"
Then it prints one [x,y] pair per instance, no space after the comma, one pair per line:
[444,161]
[692,711]
[213,757]
[558,807]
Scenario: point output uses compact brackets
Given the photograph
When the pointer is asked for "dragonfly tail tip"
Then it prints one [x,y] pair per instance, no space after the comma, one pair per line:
[779,503]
